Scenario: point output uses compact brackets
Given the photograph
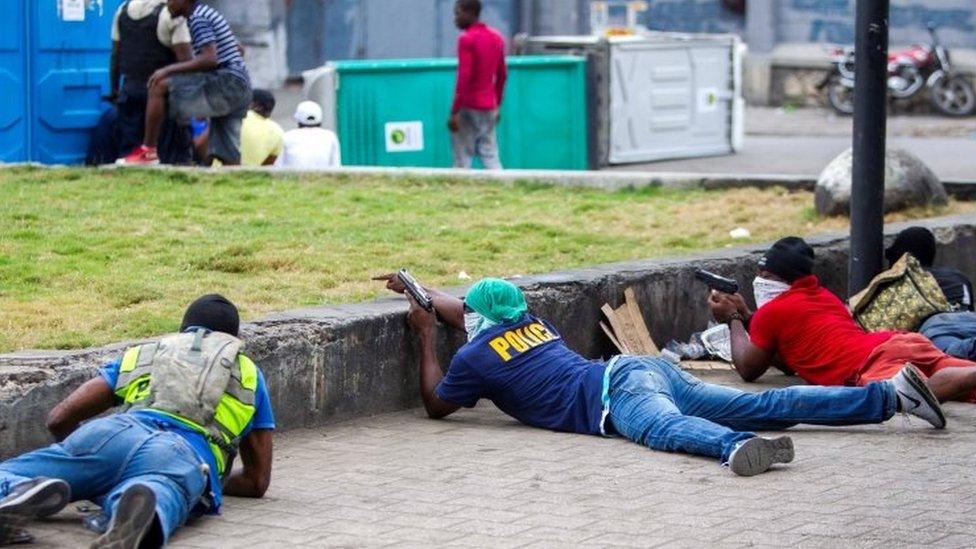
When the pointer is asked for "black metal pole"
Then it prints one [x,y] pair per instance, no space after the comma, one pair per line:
[870,104]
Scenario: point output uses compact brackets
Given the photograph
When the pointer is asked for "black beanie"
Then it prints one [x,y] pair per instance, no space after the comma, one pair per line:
[213,312]
[789,258]
[918,241]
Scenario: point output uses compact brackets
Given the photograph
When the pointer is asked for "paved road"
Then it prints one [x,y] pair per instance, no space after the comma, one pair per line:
[952,158]
[481,480]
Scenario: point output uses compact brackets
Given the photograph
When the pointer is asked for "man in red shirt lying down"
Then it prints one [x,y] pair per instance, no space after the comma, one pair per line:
[812,333]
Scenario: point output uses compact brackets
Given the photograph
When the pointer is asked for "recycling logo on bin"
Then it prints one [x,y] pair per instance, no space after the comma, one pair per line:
[708,99]
[404,136]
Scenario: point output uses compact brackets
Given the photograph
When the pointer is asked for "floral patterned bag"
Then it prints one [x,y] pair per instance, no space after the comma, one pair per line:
[900,298]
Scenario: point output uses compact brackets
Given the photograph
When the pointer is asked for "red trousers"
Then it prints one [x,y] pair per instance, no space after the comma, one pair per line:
[890,357]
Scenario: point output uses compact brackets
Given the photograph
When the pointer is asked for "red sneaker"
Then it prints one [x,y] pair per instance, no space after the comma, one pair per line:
[140,156]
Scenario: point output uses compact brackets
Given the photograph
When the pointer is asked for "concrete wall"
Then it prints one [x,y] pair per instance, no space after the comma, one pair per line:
[832,21]
[260,27]
[325,30]
[692,16]
[328,364]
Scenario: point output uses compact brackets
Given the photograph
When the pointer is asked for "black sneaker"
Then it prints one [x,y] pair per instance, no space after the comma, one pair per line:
[12,531]
[134,516]
[756,455]
[38,498]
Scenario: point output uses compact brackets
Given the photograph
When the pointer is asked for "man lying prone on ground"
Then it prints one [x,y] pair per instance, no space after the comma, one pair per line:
[813,333]
[521,364]
[191,400]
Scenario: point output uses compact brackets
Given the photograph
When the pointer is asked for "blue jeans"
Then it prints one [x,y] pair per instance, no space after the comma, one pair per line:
[952,333]
[107,455]
[659,405]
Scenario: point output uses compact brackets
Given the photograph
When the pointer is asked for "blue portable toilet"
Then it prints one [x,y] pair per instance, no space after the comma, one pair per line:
[54,69]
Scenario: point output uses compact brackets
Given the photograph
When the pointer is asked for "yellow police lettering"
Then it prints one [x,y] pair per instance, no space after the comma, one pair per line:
[517,342]
[501,347]
[540,331]
[528,336]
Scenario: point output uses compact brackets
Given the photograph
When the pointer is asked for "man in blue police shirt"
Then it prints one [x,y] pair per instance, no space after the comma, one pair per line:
[521,363]
[168,454]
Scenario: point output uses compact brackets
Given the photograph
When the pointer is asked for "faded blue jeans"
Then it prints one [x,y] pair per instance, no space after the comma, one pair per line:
[107,455]
[659,405]
[952,333]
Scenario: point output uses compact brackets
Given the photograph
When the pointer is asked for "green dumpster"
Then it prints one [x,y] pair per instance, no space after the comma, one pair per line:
[394,112]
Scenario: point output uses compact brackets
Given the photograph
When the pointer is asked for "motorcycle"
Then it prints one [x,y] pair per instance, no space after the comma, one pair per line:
[910,71]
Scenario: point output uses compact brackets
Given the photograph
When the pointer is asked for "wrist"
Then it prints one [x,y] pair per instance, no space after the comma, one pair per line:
[735,316]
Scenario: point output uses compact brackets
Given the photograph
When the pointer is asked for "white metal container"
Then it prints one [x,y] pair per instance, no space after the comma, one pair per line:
[657,95]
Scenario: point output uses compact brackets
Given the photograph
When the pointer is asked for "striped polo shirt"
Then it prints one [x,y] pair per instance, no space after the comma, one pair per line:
[208,26]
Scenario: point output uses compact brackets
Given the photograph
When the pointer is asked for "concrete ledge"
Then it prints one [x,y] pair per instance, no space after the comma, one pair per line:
[333,363]
[609,180]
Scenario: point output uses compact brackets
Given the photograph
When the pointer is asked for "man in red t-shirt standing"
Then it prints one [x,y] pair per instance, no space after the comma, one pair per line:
[814,334]
[478,94]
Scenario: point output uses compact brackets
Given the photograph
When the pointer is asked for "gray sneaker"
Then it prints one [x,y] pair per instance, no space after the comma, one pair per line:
[756,455]
[915,397]
[37,498]
[132,520]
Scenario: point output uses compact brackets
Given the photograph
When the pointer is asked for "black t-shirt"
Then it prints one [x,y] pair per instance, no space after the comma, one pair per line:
[955,285]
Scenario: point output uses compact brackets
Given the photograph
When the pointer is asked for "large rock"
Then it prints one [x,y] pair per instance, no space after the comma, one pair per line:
[908,182]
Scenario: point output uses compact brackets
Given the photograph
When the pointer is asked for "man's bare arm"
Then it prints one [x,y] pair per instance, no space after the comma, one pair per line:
[183,52]
[254,477]
[749,361]
[449,309]
[424,325]
[207,60]
[92,398]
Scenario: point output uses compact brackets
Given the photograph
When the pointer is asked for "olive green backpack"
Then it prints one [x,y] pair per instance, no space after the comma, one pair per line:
[900,298]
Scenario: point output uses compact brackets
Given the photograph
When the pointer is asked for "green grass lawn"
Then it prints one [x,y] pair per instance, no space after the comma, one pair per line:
[89,257]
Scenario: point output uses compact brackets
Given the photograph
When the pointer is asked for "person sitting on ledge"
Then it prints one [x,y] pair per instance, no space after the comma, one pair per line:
[953,333]
[813,333]
[522,364]
[190,402]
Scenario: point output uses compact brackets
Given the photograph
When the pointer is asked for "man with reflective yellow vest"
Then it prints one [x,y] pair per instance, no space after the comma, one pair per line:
[522,364]
[189,403]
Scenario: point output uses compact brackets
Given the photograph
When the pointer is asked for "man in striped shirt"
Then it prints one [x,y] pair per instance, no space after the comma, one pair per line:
[214,84]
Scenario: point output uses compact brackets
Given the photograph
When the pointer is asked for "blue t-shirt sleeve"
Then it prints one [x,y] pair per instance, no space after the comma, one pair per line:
[263,414]
[202,32]
[110,372]
[462,385]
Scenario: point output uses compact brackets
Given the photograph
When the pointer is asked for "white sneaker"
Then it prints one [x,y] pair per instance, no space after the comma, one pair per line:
[37,498]
[756,455]
[915,397]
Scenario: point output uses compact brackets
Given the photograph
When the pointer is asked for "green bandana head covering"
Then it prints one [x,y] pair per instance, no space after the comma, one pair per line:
[497,300]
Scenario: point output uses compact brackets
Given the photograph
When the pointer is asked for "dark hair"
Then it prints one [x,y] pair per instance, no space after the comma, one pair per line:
[264,99]
[789,258]
[918,241]
[213,312]
[472,7]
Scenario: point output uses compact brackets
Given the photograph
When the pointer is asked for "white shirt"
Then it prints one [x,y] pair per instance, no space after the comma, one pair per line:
[170,31]
[310,148]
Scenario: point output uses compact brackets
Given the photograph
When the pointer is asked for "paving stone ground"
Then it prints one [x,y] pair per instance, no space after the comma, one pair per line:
[479,479]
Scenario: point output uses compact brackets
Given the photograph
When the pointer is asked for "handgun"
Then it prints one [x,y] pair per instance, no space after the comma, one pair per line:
[415,290]
[716,282]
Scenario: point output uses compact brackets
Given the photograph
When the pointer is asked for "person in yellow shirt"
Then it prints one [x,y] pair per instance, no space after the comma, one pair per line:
[261,137]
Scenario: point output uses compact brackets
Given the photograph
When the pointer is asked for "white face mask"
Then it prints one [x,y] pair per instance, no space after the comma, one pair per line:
[767,290]
[474,324]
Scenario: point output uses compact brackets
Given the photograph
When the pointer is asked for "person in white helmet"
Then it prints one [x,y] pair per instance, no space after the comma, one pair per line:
[310,146]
